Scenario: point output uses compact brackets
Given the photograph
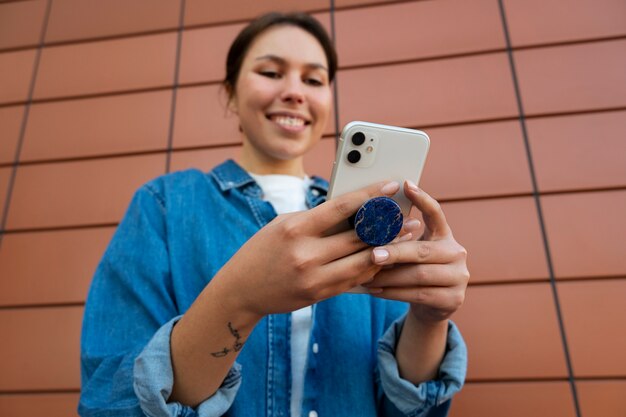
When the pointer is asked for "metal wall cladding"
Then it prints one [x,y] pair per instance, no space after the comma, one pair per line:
[96,98]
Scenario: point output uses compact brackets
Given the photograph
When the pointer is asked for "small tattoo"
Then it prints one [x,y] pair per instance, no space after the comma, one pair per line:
[221,353]
[236,347]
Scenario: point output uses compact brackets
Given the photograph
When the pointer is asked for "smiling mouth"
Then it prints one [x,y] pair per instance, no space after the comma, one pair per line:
[288,121]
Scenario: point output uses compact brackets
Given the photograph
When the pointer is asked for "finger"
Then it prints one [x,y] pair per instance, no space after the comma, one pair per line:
[436,297]
[339,245]
[337,210]
[416,275]
[434,219]
[414,251]
[412,225]
[348,272]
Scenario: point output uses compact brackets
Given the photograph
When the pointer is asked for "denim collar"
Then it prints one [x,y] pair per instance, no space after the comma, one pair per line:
[230,175]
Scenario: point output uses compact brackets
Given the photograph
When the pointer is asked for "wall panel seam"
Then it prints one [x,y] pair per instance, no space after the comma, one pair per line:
[221,145]
[333,34]
[20,141]
[164,30]
[536,197]
[441,200]
[339,70]
[179,46]
[131,35]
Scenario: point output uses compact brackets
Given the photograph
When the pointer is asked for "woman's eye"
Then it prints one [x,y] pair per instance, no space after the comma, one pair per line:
[313,81]
[270,74]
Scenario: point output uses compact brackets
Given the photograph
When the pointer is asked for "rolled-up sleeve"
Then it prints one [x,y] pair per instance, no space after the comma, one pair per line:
[131,309]
[154,378]
[430,398]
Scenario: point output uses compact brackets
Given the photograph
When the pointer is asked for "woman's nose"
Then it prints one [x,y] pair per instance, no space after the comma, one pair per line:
[293,91]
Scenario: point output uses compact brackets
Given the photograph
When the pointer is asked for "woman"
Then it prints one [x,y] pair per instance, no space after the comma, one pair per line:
[206,303]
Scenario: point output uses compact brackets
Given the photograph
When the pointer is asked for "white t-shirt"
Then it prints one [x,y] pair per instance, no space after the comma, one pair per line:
[287,194]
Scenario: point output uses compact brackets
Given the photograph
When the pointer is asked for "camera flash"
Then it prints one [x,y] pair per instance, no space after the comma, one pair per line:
[369,149]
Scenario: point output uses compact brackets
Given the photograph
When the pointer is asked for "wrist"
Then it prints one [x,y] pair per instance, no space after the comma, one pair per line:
[426,319]
[232,305]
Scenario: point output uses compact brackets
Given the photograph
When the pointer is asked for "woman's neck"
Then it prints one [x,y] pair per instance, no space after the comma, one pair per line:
[268,166]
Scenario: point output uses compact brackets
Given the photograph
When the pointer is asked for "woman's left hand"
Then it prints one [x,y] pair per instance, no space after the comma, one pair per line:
[431,272]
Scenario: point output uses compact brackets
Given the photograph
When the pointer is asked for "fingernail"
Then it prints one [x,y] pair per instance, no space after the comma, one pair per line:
[412,224]
[380,255]
[406,237]
[374,290]
[390,188]
[412,186]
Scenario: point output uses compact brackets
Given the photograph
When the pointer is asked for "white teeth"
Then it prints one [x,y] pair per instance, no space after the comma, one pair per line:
[289,121]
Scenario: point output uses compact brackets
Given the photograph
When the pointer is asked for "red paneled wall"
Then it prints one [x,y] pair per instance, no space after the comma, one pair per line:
[525,104]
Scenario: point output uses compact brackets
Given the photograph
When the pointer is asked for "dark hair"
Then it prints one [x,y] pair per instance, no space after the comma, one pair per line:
[241,44]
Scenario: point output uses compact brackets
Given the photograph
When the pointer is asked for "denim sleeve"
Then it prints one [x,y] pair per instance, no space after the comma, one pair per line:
[130,311]
[154,380]
[428,399]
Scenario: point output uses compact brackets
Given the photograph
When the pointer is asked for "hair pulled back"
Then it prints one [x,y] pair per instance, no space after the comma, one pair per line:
[242,42]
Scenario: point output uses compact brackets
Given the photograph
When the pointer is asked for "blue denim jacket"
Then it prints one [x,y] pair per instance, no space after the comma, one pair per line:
[177,233]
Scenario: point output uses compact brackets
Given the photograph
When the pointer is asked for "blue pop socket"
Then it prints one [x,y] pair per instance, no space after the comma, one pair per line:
[378,221]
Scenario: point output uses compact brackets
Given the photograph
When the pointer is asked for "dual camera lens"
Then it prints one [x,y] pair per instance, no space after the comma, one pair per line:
[358,139]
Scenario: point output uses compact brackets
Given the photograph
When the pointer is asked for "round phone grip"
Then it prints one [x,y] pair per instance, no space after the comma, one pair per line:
[378,221]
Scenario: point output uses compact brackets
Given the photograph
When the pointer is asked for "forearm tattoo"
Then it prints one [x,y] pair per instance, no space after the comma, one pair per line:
[236,347]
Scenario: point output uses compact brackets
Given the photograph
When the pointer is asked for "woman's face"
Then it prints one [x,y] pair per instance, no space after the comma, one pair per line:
[282,97]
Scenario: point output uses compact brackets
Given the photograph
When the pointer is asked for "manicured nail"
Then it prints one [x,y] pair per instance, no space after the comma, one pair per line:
[374,290]
[390,188]
[412,224]
[412,186]
[380,255]
[405,237]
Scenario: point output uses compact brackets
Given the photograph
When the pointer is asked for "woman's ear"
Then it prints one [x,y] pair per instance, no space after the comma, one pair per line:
[232,104]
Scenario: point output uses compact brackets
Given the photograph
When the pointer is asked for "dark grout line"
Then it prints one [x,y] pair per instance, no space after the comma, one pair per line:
[90,96]
[123,155]
[543,281]
[59,228]
[530,194]
[432,58]
[165,30]
[429,58]
[572,42]
[169,30]
[114,93]
[20,141]
[40,391]
[325,136]
[610,378]
[442,201]
[546,280]
[541,379]
[537,199]
[94,39]
[179,46]
[41,306]
[333,34]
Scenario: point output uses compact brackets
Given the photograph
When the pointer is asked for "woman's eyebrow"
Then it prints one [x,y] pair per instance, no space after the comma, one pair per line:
[282,61]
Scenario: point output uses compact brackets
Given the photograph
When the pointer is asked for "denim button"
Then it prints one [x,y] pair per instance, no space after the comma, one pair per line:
[316,348]
[312,413]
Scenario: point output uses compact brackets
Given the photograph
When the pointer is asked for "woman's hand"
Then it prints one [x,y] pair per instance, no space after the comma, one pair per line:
[429,273]
[291,263]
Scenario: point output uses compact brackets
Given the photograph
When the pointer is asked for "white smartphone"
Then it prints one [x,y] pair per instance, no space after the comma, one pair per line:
[370,152]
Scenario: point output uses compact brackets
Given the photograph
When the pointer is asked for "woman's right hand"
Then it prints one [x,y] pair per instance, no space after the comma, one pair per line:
[291,263]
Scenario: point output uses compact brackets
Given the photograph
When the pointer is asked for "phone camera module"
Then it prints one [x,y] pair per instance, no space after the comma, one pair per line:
[354,157]
[358,138]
